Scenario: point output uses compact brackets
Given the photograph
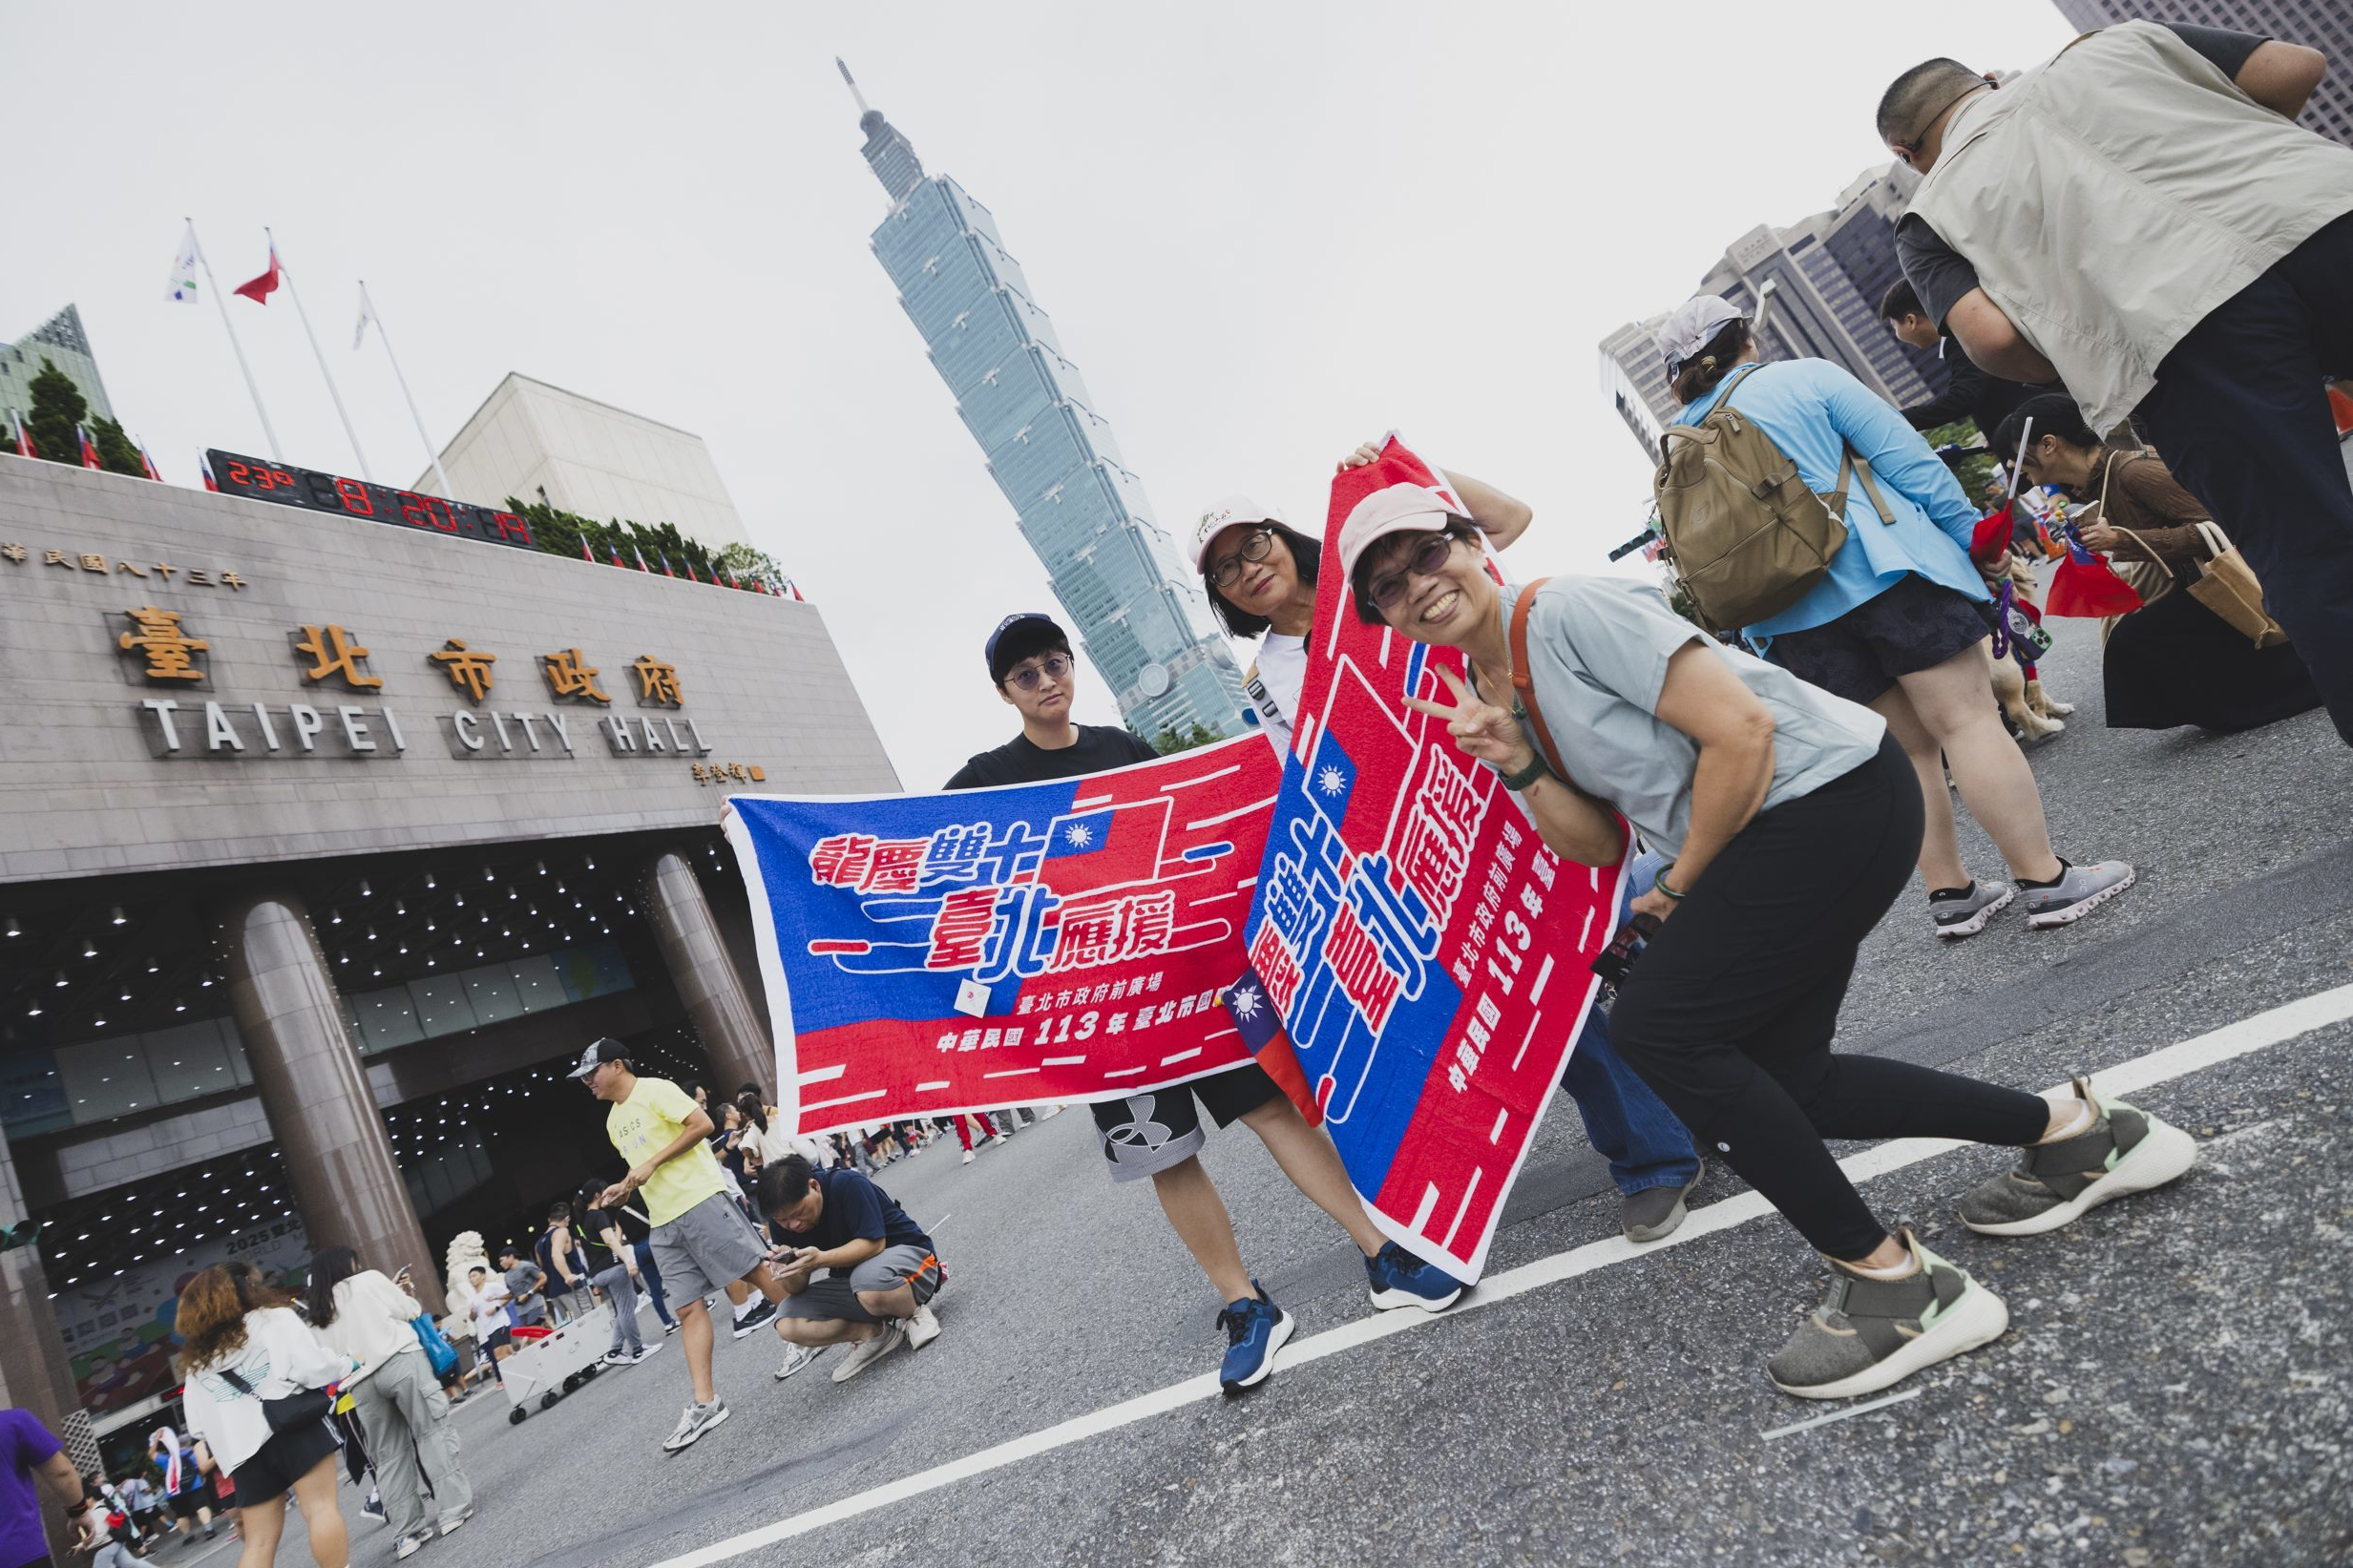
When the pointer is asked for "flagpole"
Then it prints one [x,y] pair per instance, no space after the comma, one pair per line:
[288,273]
[235,348]
[431,452]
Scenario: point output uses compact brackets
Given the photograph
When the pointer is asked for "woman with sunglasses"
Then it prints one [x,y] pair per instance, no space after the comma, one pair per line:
[1261,580]
[1792,816]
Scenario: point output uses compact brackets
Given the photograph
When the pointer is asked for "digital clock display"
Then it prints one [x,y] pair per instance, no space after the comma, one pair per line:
[313,491]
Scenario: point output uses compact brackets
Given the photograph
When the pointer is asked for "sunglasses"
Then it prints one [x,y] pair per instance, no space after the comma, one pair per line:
[1424,562]
[1054,666]
[1254,547]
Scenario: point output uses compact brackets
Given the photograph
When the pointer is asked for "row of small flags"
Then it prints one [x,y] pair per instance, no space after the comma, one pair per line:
[81,433]
[719,576]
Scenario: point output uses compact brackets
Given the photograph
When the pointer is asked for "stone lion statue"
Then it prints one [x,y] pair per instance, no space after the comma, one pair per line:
[466,1254]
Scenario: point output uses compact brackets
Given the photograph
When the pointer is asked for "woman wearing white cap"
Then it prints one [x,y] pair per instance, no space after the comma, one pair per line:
[1261,578]
[1793,817]
[1896,624]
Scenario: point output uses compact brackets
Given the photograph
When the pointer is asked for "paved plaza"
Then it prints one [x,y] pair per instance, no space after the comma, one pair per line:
[2173,1391]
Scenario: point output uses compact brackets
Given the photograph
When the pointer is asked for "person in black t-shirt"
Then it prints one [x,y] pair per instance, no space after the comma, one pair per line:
[1158,1134]
[880,1271]
[1969,393]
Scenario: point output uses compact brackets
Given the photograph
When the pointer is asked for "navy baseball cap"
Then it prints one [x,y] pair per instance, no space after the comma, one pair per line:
[1017,636]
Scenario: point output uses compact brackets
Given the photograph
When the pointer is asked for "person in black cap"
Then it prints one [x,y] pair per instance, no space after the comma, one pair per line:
[1029,658]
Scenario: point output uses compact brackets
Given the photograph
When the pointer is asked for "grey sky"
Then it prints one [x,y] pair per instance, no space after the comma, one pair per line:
[1265,232]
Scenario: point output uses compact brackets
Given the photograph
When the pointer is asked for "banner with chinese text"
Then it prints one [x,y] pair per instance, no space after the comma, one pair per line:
[1428,956]
[1062,941]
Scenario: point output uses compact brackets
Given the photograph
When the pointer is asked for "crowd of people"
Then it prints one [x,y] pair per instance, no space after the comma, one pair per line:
[2138,272]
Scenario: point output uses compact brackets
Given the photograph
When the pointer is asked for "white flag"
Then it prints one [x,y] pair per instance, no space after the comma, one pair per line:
[184,269]
[367,313]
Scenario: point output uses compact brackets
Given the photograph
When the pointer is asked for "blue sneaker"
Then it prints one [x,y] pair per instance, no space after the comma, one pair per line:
[1257,1328]
[1399,1279]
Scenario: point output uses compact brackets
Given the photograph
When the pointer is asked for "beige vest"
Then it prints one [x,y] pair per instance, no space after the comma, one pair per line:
[2111,199]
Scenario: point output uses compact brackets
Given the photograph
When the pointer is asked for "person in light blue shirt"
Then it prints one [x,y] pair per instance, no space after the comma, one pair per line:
[1898,624]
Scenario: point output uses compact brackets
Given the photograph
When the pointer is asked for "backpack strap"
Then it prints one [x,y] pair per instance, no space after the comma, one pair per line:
[1852,465]
[1523,685]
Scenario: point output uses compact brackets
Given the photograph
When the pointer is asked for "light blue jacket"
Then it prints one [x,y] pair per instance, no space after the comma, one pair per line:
[1807,406]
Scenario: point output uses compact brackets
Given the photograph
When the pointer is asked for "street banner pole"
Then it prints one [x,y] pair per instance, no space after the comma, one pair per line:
[432,454]
[288,273]
[239,349]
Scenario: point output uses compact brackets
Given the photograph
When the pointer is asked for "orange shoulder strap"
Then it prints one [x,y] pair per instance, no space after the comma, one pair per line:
[1523,685]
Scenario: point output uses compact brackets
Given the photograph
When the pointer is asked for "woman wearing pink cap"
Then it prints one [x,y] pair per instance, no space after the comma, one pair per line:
[1793,818]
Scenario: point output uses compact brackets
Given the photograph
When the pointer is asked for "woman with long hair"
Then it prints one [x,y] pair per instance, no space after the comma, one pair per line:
[1896,624]
[2172,661]
[402,1411]
[1793,818]
[242,1347]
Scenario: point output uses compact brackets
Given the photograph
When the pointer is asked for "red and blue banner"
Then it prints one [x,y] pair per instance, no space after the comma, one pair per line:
[1064,941]
[1428,957]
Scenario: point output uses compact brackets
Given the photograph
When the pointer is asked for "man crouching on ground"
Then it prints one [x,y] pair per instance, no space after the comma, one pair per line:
[881,1268]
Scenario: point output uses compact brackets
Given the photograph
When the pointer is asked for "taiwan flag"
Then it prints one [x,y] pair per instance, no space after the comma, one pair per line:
[1261,1029]
[207,464]
[90,453]
[1110,846]
[260,289]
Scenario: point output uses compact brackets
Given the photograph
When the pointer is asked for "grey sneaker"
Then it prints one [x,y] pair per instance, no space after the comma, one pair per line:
[408,1545]
[450,1525]
[1871,1334]
[867,1351]
[1966,915]
[2079,890]
[796,1357]
[1655,1212]
[2126,1150]
[697,1420]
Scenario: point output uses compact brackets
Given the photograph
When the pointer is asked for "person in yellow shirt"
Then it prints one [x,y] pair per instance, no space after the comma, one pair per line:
[701,1242]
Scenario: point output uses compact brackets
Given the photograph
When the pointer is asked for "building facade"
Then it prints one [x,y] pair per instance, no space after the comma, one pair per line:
[1821,280]
[61,341]
[1141,617]
[530,440]
[326,848]
[2325,25]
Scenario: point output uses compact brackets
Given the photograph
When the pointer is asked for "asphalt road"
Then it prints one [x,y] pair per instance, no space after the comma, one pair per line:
[2173,1391]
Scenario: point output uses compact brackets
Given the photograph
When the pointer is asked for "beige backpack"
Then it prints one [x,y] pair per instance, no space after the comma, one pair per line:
[1747,535]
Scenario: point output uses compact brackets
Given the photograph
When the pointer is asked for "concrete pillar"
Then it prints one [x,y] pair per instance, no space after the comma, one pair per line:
[734,1035]
[34,1375]
[339,1161]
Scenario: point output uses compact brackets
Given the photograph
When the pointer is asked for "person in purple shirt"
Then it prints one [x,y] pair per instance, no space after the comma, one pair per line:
[31,1449]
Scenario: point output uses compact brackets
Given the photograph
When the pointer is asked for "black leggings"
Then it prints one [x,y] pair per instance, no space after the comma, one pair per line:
[1729,1013]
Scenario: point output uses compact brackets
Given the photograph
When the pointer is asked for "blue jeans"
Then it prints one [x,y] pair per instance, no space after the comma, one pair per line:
[1630,1126]
[650,1276]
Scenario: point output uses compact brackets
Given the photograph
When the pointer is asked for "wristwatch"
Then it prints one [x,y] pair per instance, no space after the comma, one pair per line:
[1526,776]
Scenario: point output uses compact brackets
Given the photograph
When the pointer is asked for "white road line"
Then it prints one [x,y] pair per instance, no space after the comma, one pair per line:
[1848,1413]
[942,1219]
[2245,1037]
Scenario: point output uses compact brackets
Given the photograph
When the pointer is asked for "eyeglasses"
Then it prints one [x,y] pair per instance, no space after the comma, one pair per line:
[1254,547]
[1052,666]
[1424,562]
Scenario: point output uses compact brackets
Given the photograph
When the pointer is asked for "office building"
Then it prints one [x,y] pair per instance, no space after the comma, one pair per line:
[1821,280]
[1141,615]
[530,441]
[325,847]
[2325,25]
[61,341]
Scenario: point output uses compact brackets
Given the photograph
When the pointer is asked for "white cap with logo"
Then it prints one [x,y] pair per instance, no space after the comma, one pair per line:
[1224,515]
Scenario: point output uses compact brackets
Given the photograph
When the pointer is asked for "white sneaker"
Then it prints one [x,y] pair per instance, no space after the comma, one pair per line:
[644,1351]
[921,1328]
[409,1544]
[696,1420]
[866,1352]
[969,1157]
[796,1357]
[1049,1110]
[994,1140]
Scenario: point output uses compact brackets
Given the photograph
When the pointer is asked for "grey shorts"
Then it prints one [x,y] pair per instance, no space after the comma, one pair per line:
[708,1248]
[836,1297]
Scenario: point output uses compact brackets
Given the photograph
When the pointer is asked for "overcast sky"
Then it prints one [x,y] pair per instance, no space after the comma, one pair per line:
[1265,232]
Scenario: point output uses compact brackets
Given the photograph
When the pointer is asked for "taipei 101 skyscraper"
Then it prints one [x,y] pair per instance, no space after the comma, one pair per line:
[1139,615]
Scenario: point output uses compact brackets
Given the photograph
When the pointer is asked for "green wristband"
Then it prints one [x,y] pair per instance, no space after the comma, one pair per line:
[1660,883]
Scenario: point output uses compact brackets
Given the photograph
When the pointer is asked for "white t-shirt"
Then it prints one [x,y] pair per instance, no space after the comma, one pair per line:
[1273,684]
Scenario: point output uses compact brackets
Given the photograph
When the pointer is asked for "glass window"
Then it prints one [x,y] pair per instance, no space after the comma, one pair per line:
[491,988]
[442,1004]
[536,983]
[105,1078]
[387,1017]
[189,1059]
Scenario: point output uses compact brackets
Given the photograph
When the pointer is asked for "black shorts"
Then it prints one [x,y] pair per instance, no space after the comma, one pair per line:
[1914,626]
[187,1500]
[1147,1133]
[285,1459]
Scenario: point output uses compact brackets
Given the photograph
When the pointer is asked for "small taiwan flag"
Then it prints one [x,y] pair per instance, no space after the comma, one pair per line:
[90,453]
[586,553]
[665,563]
[614,550]
[640,555]
[23,437]
[260,289]
[149,464]
[207,464]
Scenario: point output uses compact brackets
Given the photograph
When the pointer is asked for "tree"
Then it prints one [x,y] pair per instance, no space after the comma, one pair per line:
[1975,471]
[118,452]
[57,406]
[744,562]
[557,531]
[1168,743]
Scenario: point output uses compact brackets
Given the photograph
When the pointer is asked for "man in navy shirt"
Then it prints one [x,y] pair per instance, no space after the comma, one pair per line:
[880,1270]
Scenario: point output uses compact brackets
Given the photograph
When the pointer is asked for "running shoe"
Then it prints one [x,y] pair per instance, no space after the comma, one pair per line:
[615,1358]
[1256,1328]
[2079,890]
[670,1327]
[867,1351]
[1653,1213]
[644,1351]
[796,1357]
[994,1138]
[2124,1151]
[697,1420]
[409,1545]
[1964,913]
[969,1157]
[1870,1335]
[1049,1112]
[758,1316]
[450,1526]
[921,1328]
[1394,1277]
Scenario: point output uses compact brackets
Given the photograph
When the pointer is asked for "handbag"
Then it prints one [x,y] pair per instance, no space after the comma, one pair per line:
[295,1409]
[2226,585]
[437,1346]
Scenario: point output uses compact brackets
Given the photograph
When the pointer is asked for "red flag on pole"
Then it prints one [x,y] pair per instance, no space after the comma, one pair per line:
[23,437]
[149,463]
[640,555]
[665,563]
[260,289]
[207,464]
[90,453]
[585,553]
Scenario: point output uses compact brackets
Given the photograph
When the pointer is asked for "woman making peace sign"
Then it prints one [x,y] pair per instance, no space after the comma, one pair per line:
[1793,820]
